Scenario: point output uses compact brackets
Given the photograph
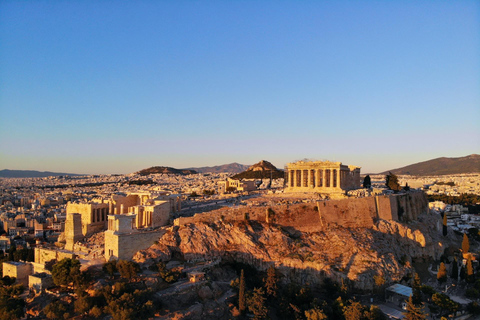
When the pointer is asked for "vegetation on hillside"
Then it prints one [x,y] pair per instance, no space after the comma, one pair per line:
[165,170]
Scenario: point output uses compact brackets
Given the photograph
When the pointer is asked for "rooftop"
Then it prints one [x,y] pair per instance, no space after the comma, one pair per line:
[400,289]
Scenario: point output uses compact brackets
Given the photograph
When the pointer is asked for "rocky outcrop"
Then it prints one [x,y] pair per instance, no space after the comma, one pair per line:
[260,170]
[356,254]
[324,215]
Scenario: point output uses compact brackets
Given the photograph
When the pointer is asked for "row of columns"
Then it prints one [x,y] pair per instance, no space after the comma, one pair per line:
[99,215]
[144,218]
[328,178]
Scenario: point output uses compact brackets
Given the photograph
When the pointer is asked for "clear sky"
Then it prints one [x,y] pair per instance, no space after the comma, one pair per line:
[118,86]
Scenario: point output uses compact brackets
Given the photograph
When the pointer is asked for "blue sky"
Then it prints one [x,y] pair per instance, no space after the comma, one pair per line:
[118,86]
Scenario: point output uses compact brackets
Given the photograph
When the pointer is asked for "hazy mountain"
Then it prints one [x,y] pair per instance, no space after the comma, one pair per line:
[442,166]
[231,167]
[32,174]
[166,170]
[261,170]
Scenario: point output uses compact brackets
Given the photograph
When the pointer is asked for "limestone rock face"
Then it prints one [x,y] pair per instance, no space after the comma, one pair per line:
[356,254]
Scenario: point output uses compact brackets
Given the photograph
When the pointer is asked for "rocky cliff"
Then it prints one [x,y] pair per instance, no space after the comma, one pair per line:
[386,248]
[324,215]
[260,170]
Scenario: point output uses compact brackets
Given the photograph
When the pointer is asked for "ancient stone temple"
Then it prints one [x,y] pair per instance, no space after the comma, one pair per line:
[322,177]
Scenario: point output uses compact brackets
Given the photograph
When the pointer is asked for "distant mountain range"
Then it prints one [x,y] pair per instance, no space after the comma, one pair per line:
[231,167]
[261,170]
[32,174]
[441,166]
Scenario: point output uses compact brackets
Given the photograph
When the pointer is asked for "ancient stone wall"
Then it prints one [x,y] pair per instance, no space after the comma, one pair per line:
[18,270]
[124,246]
[43,255]
[349,213]
[161,214]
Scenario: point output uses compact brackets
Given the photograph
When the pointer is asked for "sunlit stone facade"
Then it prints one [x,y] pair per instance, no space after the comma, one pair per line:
[321,177]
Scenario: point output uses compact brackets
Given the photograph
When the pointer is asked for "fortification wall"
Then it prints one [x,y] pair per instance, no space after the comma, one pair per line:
[348,213]
[124,246]
[43,255]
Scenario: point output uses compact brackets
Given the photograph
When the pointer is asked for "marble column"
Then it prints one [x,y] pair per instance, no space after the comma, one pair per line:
[339,178]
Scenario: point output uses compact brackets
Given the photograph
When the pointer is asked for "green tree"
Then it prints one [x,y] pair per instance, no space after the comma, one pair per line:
[367,182]
[127,269]
[444,302]
[167,275]
[241,294]
[66,271]
[56,310]
[83,303]
[353,311]
[110,267]
[414,312]
[391,181]
[271,282]
[416,290]
[465,244]
[12,307]
[442,273]
[256,304]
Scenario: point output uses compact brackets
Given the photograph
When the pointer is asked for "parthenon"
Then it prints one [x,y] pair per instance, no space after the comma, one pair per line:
[321,177]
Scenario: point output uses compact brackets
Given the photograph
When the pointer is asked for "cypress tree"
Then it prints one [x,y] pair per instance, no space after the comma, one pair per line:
[470,274]
[416,290]
[271,282]
[241,293]
[367,182]
[454,274]
[444,225]
[462,273]
[442,273]
[465,244]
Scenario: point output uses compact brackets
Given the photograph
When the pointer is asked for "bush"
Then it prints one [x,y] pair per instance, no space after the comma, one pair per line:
[472,293]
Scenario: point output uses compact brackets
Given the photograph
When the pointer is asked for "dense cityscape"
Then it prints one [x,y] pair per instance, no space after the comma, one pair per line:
[115,231]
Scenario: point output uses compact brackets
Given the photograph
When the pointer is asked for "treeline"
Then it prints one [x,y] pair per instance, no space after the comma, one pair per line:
[264,295]
[471,201]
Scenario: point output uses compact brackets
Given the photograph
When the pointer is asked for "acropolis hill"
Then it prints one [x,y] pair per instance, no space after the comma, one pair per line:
[314,221]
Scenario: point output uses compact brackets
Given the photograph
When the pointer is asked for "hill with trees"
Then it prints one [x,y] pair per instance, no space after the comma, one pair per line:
[165,170]
[441,166]
[261,170]
[231,167]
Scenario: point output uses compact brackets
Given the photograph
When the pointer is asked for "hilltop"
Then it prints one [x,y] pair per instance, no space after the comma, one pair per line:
[261,170]
[165,170]
[32,174]
[441,166]
[231,167]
